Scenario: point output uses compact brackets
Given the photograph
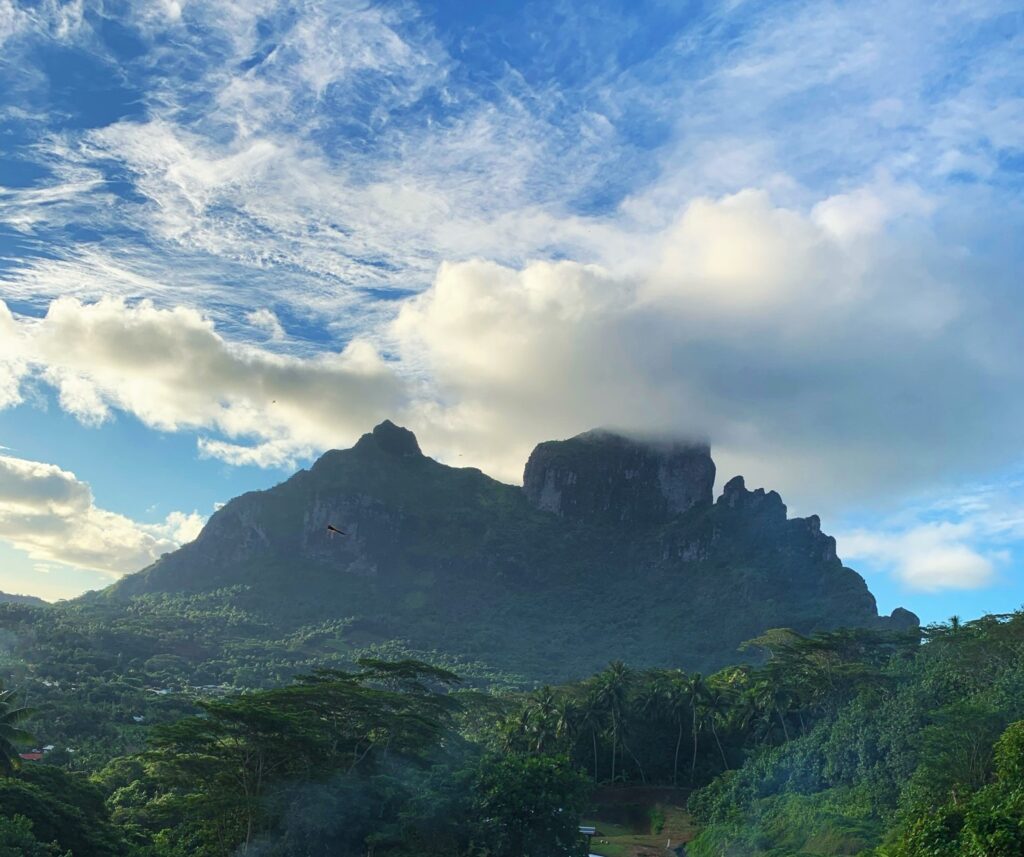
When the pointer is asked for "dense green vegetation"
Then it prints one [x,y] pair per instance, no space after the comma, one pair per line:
[843,743]
[850,742]
[909,753]
[338,762]
[6,597]
[98,675]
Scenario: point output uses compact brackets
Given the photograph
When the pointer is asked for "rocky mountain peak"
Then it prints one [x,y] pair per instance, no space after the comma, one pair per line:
[600,476]
[392,439]
[735,495]
[902,619]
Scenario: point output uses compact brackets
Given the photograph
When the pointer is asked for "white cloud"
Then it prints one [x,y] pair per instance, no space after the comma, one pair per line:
[928,558]
[788,336]
[865,211]
[13,20]
[172,370]
[334,42]
[61,21]
[265,320]
[958,540]
[249,160]
[180,527]
[810,361]
[50,514]
[12,365]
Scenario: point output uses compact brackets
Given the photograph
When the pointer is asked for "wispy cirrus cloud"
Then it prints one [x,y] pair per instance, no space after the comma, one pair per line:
[52,19]
[349,147]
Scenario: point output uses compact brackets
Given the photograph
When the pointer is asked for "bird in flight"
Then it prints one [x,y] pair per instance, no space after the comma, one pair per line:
[333,529]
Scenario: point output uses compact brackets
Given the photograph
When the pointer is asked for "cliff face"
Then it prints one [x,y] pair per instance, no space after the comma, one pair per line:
[613,548]
[599,477]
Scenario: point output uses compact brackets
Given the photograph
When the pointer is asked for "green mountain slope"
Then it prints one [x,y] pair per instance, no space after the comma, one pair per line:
[8,598]
[613,548]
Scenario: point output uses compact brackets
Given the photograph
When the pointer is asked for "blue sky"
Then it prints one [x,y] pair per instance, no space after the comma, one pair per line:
[234,235]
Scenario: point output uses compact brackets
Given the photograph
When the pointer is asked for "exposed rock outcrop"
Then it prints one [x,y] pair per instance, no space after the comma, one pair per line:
[392,439]
[602,477]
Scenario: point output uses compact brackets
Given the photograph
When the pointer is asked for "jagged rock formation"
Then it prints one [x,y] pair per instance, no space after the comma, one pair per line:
[613,548]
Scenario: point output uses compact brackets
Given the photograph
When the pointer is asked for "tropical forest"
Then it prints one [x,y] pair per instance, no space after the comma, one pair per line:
[849,742]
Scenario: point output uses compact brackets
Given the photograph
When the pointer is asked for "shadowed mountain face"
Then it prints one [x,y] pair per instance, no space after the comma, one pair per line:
[613,548]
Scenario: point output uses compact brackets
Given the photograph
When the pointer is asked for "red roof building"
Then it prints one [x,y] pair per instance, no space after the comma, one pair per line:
[31,757]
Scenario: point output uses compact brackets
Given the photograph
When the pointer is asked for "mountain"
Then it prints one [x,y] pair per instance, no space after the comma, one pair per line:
[613,548]
[6,598]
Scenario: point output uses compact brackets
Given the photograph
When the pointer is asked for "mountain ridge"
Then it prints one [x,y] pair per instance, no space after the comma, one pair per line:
[12,598]
[612,548]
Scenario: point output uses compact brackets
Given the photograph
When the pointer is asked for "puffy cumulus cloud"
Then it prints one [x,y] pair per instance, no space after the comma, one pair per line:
[865,210]
[182,527]
[741,255]
[265,320]
[44,488]
[172,370]
[516,356]
[822,352]
[929,557]
[49,513]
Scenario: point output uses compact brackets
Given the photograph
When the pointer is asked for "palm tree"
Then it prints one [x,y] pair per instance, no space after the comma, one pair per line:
[750,715]
[542,719]
[611,691]
[10,734]
[566,720]
[674,702]
[770,698]
[695,692]
[590,716]
[716,709]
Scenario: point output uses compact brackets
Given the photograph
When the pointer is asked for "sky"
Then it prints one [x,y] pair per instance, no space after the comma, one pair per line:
[235,235]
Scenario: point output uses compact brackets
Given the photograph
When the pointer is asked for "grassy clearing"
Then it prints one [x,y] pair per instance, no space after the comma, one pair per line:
[639,822]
